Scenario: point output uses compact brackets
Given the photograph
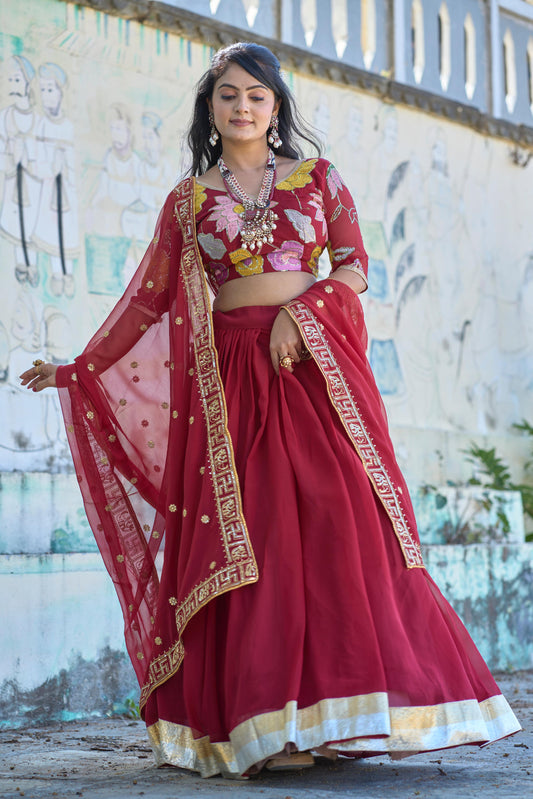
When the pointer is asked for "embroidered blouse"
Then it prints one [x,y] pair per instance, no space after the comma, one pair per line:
[315,210]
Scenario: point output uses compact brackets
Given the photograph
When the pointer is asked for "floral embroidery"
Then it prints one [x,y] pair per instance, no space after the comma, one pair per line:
[178,320]
[90,367]
[205,519]
[120,558]
[246,263]
[164,405]
[143,327]
[172,508]
[226,216]
[339,254]
[158,640]
[90,415]
[199,197]
[218,271]
[328,290]
[302,224]
[299,178]
[288,257]
[334,181]
[313,261]
[317,202]
[145,422]
[214,247]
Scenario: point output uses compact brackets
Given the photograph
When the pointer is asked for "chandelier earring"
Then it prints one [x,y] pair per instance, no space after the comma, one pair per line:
[214,135]
[273,135]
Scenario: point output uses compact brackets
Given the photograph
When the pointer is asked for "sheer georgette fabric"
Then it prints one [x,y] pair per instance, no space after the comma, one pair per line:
[291,603]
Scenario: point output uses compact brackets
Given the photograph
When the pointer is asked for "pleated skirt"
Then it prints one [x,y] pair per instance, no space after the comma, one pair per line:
[338,643]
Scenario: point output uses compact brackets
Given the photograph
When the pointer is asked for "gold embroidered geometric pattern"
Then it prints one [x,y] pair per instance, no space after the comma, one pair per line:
[240,567]
[345,405]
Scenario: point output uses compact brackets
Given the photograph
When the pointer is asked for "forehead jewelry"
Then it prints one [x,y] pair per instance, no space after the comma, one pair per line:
[259,220]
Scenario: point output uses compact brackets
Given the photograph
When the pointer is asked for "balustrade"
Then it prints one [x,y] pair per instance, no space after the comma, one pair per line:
[475,52]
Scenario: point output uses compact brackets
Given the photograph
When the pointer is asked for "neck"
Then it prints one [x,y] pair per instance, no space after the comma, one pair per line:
[245,158]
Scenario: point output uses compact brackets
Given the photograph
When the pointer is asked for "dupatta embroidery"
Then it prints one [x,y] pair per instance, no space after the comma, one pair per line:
[315,312]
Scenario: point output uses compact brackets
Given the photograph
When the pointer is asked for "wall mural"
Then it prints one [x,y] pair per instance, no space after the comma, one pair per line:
[92,114]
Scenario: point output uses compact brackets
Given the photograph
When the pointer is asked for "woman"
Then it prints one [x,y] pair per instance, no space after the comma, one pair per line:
[292,613]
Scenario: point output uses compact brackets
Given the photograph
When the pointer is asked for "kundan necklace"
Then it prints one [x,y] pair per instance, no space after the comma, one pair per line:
[259,219]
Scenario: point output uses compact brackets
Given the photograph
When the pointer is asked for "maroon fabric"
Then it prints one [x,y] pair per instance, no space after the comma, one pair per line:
[335,612]
[146,420]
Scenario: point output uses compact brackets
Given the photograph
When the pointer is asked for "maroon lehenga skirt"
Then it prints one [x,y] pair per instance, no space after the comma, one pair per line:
[338,642]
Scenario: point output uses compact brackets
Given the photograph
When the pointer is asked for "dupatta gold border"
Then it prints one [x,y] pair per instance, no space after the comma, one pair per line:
[241,567]
[352,420]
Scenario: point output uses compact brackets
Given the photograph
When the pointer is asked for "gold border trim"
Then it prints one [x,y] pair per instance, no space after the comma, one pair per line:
[360,724]
[350,416]
[241,567]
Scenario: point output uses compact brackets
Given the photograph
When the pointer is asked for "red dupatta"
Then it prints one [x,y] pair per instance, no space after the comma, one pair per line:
[331,322]
[146,421]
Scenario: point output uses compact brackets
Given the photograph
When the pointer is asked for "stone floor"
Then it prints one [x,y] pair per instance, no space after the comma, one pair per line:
[110,758]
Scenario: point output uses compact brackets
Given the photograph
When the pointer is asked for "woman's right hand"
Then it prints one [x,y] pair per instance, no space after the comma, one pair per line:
[39,377]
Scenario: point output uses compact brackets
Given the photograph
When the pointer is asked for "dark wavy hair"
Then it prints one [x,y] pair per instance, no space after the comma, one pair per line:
[263,65]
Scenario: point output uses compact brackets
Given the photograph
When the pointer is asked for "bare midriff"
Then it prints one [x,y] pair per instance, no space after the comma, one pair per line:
[266,289]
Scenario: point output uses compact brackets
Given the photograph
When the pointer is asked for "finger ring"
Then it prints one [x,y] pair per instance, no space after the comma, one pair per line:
[305,354]
[286,361]
[37,364]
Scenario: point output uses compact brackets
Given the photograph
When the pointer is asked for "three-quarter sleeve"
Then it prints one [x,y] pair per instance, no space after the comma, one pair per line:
[345,243]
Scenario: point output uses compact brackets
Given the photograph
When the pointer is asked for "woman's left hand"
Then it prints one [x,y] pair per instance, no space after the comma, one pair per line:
[285,340]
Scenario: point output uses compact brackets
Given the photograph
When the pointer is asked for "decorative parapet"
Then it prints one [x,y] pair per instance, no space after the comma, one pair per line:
[214,33]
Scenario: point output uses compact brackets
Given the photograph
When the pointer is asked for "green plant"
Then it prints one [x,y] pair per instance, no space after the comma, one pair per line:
[128,708]
[495,473]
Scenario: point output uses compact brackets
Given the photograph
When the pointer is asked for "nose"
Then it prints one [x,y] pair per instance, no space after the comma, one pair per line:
[241,104]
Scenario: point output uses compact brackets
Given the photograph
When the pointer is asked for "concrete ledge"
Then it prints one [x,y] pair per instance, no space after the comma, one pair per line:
[491,588]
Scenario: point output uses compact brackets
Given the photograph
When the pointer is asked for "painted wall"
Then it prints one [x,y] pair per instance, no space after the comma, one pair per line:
[104,103]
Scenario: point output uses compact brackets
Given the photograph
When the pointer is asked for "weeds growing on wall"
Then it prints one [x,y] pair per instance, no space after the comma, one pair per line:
[491,473]
[494,472]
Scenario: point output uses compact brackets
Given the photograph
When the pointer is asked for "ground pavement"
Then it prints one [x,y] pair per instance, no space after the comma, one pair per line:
[111,759]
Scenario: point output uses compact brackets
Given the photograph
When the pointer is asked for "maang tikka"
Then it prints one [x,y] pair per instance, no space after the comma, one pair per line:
[213,134]
[273,136]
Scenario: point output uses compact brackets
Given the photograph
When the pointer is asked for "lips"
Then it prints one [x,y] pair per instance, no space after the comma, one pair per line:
[240,123]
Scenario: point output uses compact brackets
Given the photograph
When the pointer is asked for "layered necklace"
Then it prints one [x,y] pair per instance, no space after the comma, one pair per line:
[259,219]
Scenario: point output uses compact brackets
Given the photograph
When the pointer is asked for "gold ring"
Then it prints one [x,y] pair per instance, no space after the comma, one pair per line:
[37,364]
[286,361]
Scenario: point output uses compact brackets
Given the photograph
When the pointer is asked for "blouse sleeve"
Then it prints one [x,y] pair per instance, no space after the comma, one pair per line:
[142,305]
[345,243]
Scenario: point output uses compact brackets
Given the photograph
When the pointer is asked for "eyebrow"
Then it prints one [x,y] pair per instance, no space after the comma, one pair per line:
[248,88]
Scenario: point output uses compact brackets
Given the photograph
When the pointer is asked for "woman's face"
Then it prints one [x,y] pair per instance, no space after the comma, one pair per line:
[242,106]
